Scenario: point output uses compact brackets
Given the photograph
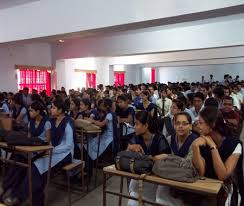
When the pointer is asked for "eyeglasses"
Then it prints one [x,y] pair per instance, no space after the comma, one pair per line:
[184,124]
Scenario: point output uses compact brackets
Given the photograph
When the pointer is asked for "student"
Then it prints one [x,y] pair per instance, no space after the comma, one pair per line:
[168,126]
[180,144]
[146,141]
[39,125]
[147,105]
[85,108]
[216,154]
[125,114]
[198,102]
[63,143]
[75,109]
[4,105]
[164,103]
[19,113]
[108,135]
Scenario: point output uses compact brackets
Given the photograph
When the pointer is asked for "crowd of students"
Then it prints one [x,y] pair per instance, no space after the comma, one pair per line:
[199,121]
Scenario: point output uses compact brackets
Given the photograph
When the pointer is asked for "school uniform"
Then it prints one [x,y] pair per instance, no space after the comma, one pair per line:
[149,108]
[22,110]
[62,140]
[159,145]
[163,194]
[4,107]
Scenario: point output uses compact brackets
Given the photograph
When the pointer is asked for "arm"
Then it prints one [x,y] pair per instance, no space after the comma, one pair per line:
[197,159]
[129,119]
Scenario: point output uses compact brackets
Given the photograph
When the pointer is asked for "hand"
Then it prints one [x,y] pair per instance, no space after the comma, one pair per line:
[135,148]
[209,141]
[159,157]
[200,141]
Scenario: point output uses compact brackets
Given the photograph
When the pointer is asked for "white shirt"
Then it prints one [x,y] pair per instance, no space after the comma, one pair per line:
[236,100]
[167,105]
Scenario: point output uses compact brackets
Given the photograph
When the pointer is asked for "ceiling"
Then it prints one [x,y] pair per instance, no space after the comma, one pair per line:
[4,4]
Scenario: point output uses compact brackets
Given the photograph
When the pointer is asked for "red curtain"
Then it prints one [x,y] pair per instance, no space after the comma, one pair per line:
[35,79]
[119,79]
[90,80]
[153,72]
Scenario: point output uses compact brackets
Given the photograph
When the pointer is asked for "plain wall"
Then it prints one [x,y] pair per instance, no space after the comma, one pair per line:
[21,54]
[194,73]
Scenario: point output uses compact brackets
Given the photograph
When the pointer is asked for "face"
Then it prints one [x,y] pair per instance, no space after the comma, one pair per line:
[151,90]
[227,105]
[227,92]
[197,103]
[169,92]
[182,126]
[144,97]
[25,91]
[33,113]
[174,109]
[140,128]
[55,111]
[163,94]
[203,127]
[72,106]
[204,91]
[138,92]
[83,107]
[122,104]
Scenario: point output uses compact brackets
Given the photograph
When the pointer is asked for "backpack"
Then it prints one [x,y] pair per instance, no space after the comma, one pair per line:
[175,168]
[133,162]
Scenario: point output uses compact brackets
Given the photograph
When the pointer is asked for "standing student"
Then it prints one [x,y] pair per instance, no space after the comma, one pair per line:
[198,101]
[164,103]
[63,143]
[217,154]
[146,141]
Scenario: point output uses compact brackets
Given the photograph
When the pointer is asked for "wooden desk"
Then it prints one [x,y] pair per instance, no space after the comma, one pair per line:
[29,150]
[209,187]
[84,132]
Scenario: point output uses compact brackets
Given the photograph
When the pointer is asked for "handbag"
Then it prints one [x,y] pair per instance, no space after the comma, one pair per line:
[133,162]
[175,168]
[15,138]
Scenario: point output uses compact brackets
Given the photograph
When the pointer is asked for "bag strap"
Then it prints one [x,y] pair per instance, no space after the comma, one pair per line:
[132,165]
[117,166]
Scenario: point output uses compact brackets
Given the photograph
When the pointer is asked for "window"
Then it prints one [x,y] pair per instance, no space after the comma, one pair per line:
[38,78]
[119,78]
[90,80]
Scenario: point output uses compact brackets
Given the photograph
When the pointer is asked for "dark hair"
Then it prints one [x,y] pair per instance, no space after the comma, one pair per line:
[122,97]
[38,106]
[146,93]
[199,95]
[145,118]
[59,103]
[1,97]
[76,102]
[228,98]
[182,98]
[188,117]
[18,99]
[108,103]
[211,102]
[219,92]
[214,119]
[179,104]
[86,102]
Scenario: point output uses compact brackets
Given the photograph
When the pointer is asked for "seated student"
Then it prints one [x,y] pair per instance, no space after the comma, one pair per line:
[125,114]
[63,143]
[147,105]
[85,108]
[146,141]
[216,154]
[198,101]
[231,115]
[108,135]
[168,126]
[75,109]
[4,105]
[19,113]
[180,144]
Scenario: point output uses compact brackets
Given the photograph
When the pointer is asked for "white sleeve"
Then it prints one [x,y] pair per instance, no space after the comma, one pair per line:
[238,149]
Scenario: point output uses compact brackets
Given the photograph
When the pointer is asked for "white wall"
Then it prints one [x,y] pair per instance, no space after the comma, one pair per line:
[48,17]
[194,73]
[21,54]
[132,74]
